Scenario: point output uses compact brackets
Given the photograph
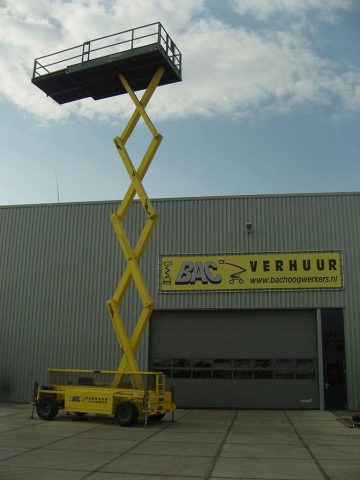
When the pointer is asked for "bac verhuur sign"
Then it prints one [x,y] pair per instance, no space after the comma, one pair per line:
[261,271]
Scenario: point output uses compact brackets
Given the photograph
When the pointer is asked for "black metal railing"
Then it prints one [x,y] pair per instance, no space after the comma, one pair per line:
[127,40]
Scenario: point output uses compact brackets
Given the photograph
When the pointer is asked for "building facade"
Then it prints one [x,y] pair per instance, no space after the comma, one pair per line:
[257,297]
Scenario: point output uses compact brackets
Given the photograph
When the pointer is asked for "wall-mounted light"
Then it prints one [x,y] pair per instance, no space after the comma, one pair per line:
[248,226]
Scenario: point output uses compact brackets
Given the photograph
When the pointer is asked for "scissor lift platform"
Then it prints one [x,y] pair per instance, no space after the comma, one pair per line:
[137,59]
[92,68]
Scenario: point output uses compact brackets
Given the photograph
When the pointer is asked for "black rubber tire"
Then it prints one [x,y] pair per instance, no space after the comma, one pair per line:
[126,414]
[157,417]
[47,408]
[80,414]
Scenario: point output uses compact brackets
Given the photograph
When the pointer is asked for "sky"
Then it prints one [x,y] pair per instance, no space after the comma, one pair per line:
[269,102]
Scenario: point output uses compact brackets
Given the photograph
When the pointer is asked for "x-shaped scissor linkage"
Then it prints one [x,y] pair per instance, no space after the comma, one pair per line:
[132,255]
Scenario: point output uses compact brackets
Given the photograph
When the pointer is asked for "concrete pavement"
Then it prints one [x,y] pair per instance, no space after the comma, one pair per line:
[200,444]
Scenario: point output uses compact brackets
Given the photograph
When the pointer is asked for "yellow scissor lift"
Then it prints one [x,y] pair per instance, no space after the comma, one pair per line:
[137,59]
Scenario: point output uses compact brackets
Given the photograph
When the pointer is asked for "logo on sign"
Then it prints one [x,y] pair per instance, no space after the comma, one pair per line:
[204,272]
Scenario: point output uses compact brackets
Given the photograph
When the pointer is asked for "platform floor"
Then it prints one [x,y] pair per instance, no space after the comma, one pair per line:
[200,444]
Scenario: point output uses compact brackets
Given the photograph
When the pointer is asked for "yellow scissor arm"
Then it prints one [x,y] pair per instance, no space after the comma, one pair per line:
[131,254]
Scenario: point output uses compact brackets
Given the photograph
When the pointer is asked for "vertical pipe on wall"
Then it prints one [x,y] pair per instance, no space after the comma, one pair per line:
[320,359]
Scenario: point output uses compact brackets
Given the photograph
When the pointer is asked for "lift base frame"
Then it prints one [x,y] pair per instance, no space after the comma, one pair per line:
[101,399]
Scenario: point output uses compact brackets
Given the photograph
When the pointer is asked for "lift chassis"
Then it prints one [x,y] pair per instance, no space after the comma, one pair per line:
[127,393]
[90,392]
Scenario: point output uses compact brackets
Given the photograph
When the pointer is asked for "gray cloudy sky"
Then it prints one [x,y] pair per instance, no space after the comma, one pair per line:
[269,102]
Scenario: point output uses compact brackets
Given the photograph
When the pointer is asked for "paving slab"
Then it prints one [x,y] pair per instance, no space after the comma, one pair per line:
[332,440]
[75,420]
[177,448]
[169,435]
[8,410]
[246,428]
[168,465]
[15,420]
[267,421]
[262,438]
[273,414]
[28,473]
[253,445]
[332,423]
[336,452]
[26,439]
[62,460]
[53,428]
[12,423]
[135,476]
[7,428]
[219,415]
[115,432]
[7,452]
[92,445]
[201,426]
[265,451]
[179,413]
[317,414]
[341,470]
[328,430]
[267,469]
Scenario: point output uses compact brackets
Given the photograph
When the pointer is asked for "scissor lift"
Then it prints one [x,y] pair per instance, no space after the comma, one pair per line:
[137,59]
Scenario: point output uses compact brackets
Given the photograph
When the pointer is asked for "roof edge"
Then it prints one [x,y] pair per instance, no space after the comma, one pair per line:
[182,199]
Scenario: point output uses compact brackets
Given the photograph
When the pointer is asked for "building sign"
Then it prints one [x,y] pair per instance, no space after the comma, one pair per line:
[261,271]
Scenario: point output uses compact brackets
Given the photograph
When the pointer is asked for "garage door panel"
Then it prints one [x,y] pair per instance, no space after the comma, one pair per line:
[244,394]
[238,359]
[254,335]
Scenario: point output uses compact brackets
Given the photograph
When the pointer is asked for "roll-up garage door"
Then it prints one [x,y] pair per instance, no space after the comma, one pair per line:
[237,359]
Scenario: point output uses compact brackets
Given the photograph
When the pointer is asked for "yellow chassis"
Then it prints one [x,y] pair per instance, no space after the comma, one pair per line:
[129,393]
[101,398]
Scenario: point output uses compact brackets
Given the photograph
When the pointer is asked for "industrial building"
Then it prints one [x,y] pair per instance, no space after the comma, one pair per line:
[257,297]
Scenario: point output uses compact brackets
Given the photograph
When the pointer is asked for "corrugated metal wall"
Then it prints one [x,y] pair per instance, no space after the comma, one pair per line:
[59,264]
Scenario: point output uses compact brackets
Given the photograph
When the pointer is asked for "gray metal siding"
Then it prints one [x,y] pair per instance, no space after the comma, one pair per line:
[59,264]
